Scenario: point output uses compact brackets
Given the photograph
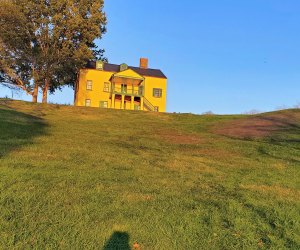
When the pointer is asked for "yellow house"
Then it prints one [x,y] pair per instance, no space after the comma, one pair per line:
[114,86]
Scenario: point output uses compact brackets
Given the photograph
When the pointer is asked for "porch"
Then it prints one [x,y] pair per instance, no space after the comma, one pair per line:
[128,91]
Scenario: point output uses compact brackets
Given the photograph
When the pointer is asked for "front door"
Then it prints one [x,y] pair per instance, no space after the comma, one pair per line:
[124,88]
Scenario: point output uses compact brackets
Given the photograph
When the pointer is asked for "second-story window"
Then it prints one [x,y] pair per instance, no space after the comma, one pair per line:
[157,93]
[106,87]
[89,85]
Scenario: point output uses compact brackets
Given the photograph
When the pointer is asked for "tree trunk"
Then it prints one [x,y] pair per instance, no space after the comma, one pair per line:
[45,92]
[35,93]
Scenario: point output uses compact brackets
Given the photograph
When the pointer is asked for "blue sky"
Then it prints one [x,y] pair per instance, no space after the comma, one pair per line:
[226,56]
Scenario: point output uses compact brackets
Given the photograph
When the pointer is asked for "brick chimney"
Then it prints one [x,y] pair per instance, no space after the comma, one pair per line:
[144,63]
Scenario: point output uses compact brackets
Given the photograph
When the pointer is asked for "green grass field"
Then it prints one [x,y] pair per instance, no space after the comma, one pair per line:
[83,178]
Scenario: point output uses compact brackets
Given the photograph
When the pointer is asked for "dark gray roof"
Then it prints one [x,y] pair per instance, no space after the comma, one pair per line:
[116,68]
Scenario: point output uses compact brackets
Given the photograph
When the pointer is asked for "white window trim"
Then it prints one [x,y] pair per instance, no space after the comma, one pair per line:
[106,87]
[159,91]
[91,85]
[90,102]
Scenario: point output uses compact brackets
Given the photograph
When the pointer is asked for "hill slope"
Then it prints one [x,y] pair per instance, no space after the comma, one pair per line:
[89,178]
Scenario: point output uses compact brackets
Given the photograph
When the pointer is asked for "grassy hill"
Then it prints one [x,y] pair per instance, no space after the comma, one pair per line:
[82,178]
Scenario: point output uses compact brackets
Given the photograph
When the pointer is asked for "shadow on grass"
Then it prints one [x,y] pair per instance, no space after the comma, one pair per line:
[18,129]
[118,241]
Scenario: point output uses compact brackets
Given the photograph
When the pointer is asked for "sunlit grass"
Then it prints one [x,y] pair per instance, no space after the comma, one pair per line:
[80,178]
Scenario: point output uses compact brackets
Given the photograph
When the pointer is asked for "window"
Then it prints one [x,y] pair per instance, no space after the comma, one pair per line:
[106,87]
[89,85]
[88,102]
[157,93]
[156,109]
[104,105]
[99,65]
[123,66]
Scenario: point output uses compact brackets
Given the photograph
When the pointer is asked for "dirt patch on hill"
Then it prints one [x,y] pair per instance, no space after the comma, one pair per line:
[261,125]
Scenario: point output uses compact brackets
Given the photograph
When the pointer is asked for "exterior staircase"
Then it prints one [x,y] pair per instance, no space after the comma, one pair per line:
[148,105]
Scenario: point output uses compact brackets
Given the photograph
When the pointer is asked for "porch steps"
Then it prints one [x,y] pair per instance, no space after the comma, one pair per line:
[148,105]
